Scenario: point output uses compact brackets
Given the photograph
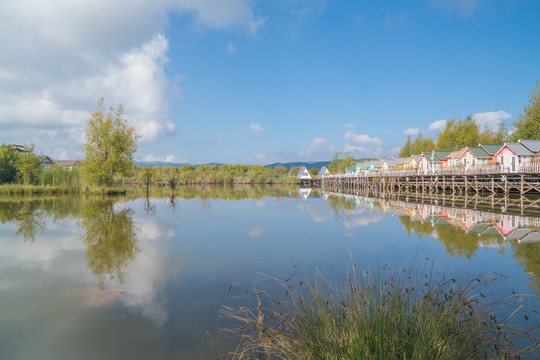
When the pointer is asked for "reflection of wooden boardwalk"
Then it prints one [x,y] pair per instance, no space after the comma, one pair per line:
[436,185]
[494,203]
[309,183]
[523,228]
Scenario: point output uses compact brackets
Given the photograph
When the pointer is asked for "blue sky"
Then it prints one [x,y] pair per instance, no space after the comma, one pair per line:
[238,81]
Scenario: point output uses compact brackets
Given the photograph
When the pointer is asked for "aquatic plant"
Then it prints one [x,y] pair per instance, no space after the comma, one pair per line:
[389,314]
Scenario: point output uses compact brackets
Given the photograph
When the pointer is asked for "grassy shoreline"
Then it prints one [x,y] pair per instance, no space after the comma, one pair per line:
[17,189]
[388,314]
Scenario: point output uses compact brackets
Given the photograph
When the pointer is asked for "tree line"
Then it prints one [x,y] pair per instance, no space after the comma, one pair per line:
[459,133]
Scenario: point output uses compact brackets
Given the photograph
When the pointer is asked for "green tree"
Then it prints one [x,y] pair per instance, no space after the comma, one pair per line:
[8,164]
[145,175]
[110,145]
[527,125]
[314,171]
[459,133]
[406,149]
[421,144]
[29,167]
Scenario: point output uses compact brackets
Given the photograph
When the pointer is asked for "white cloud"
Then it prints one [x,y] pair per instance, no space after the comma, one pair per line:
[231,49]
[437,125]
[362,138]
[253,233]
[491,118]
[169,158]
[260,157]
[463,8]
[255,127]
[349,126]
[361,220]
[412,132]
[358,150]
[73,53]
[319,147]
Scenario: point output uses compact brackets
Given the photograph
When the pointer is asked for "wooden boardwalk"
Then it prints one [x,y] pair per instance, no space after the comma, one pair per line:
[436,185]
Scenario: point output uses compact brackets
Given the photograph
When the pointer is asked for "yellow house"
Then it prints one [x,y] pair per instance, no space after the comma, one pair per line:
[412,162]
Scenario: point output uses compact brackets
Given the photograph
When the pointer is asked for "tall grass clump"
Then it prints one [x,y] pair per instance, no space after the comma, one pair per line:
[388,314]
[58,176]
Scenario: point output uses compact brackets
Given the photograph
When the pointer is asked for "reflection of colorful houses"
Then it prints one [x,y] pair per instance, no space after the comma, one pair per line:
[531,237]
[323,195]
[423,212]
[506,224]
[304,193]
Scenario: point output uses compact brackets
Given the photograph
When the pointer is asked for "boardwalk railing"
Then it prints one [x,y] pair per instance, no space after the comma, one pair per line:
[531,168]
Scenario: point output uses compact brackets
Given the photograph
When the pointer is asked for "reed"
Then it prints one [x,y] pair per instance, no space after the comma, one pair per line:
[389,314]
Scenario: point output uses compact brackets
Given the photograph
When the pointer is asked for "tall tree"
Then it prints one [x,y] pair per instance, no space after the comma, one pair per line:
[421,144]
[527,125]
[28,166]
[459,133]
[110,145]
[8,164]
[406,149]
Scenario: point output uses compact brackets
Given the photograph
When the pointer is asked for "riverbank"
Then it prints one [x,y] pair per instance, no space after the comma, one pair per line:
[16,189]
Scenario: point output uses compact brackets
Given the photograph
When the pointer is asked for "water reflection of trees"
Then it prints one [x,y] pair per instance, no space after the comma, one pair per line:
[30,215]
[218,192]
[110,237]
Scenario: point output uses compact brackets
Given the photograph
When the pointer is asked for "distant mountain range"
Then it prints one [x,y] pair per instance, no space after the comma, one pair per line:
[288,165]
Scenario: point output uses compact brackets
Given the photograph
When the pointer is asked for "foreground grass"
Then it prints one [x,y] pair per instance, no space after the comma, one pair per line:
[391,314]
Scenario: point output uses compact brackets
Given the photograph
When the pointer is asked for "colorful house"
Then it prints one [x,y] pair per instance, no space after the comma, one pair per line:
[532,145]
[303,174]
[45,161]
[434,159]
[513,155]
[492,149]
[475,156]
[412,162]
[454,158]
[400,161]
[375,165]
[323,172]
[389,164]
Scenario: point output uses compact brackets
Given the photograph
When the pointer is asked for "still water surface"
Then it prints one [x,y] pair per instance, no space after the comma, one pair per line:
[144,278]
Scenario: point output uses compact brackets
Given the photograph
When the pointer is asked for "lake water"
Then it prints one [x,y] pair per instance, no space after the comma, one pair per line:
[144,278]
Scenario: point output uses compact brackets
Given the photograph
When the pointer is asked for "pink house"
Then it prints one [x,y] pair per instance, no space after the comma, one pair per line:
[513,155]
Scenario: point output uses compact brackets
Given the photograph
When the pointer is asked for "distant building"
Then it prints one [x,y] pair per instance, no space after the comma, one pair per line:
[45,161]
[18,148]
[323,172]
[66,164]
[303,174]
